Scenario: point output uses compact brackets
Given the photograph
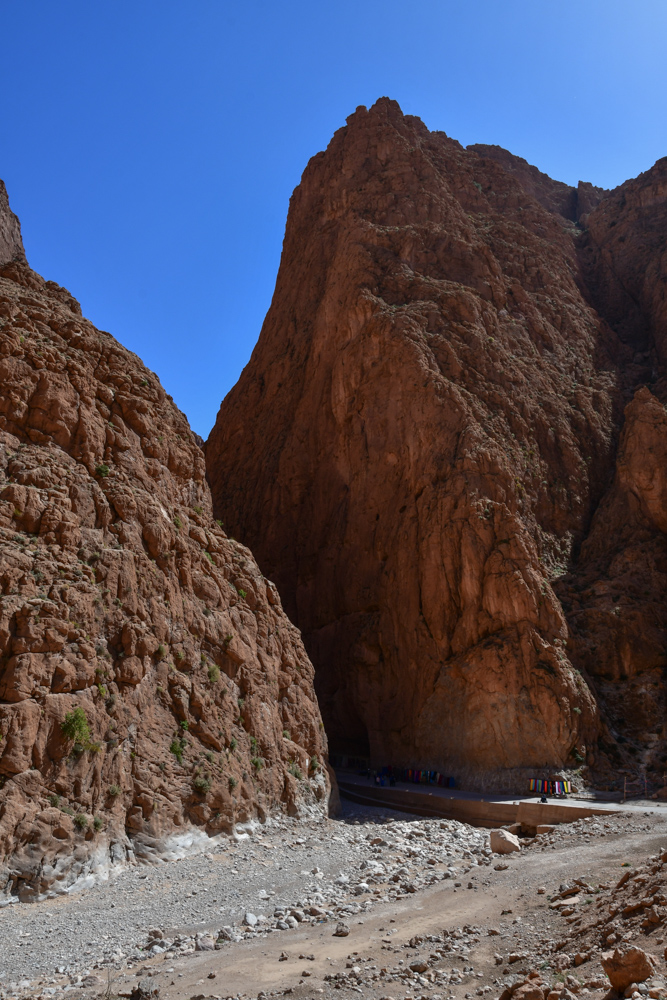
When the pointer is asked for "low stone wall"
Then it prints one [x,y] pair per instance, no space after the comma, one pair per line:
[477,812]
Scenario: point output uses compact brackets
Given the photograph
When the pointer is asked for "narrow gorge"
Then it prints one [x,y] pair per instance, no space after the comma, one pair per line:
[447,454]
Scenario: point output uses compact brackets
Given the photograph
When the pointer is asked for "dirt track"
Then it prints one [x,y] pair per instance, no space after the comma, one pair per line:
[507,901]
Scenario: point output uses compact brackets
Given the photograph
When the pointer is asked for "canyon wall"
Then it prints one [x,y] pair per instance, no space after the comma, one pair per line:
[422,449]
[152,690]
[614,592]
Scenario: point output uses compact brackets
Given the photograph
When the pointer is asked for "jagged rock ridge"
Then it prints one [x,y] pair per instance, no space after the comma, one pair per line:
[125,605]
[11,243]
[423,437]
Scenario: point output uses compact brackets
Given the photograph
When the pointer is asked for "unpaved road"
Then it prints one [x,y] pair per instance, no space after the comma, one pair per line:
[457,911]
[247,968]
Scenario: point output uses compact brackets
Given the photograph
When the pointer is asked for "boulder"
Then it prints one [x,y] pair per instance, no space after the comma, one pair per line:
[204,942]
[503,842]
[146,989]
[627,965]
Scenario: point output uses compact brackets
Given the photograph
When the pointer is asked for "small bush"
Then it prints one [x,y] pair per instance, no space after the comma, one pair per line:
[161,652]
[75,727]
[98,823]
[213,673]
[233,743]
[54,800]
[243,594]
[577,710]
[67,810]
[253,744]
[198,510]
[101,690]
[287,734]
[314,764]
[114,790]
[102,470]
[178,523]
[202,784]
[294,769]
[179,654]
[176,747]
[257,763]
[208,556]
[81,821]
[233,782]
[185,724]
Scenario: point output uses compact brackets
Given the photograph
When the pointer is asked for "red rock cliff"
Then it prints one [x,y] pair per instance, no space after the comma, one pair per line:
[419,442]
[125,606]
[614,592]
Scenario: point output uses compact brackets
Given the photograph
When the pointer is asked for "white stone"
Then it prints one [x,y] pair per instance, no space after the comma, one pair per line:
[503,842]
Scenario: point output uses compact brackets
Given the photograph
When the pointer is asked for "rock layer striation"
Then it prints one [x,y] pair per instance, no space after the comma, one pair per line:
[422,451]
[152,690]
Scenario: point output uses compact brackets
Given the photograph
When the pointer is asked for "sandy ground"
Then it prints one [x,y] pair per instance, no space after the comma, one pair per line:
[486,900]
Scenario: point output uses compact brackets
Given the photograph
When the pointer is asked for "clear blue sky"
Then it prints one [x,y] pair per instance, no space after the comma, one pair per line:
[150,147]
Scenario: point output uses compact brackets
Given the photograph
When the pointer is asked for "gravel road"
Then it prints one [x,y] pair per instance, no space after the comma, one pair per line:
[281,876]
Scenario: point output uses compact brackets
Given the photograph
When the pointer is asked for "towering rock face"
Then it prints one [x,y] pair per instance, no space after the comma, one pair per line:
[614,594]
[419,442]
[149,680]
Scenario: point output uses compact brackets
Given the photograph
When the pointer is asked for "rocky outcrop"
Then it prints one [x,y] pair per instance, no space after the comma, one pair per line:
[418,444]
[626,270]
[570,202]
[11,244]
[152,690]
[614,592]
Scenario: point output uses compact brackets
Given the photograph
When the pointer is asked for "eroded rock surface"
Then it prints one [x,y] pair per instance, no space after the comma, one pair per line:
[11,244]
[418,443]
[122,598]
[424,434]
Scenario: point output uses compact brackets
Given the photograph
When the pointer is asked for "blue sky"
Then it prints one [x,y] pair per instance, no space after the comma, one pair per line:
[150,148]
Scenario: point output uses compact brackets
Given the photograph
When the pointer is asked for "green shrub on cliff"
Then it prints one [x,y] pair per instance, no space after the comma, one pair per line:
[75,727]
